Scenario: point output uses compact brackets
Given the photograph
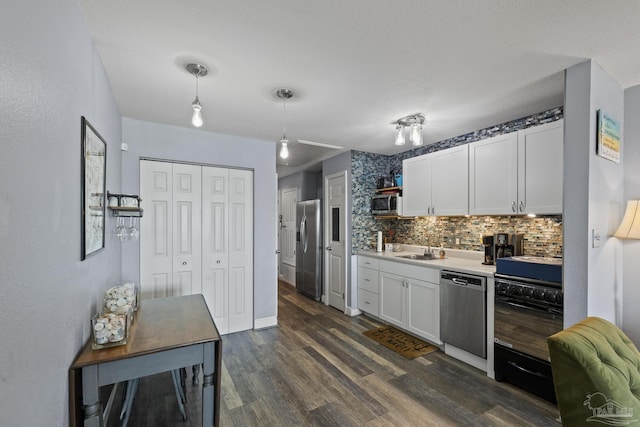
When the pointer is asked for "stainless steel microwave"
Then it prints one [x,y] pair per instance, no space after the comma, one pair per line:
[386,204]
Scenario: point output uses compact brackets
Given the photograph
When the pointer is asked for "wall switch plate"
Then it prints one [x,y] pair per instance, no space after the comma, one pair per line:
[457,240]
[124,146]
[595,238]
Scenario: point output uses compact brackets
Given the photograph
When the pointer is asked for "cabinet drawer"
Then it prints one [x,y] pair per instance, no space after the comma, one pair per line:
[425,273]
[368,262]
[368,302]
[368,279]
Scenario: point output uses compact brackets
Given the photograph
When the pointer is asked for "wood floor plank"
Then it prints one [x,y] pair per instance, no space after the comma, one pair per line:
[317,369]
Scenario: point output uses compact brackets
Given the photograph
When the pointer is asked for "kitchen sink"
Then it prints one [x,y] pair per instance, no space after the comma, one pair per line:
[418,257]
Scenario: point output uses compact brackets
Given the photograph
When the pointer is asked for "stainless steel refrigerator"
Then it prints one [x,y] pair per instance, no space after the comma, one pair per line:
[309,248]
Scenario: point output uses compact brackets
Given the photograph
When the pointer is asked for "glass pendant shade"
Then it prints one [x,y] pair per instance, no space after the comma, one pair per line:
[415,135]
[196,120]
[400,135]
[284,150]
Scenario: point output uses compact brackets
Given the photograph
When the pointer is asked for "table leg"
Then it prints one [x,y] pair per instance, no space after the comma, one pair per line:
[211,368]
[217,380]
[91,397]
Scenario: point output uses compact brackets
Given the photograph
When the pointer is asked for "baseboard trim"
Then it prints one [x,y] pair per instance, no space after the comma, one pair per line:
[265,322]
[352,312]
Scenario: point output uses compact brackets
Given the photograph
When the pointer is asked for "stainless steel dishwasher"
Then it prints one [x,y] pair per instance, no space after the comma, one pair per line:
[463,311]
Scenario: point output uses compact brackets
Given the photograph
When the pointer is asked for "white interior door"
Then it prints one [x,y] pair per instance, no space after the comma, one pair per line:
[240,250]
[227,254]
[335,238]
[187,235]
[170,242]
[156,235]
[288,235]
[215,248]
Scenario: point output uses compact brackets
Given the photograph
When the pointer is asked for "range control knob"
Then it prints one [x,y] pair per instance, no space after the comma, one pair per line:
[551,297]
[538,294]
[529,292]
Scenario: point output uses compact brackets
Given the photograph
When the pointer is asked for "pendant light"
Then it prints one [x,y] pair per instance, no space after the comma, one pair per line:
[414,122]
[284,94]
[198,71]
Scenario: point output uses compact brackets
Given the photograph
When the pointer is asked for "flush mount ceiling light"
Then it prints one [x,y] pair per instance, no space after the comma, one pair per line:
[284,94]
[198,71]
[414,122]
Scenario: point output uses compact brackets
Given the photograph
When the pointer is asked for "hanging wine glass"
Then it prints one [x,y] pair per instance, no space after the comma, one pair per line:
[133,231]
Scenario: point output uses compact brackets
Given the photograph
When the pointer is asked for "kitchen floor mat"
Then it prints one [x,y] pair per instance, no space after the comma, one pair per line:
[400,342]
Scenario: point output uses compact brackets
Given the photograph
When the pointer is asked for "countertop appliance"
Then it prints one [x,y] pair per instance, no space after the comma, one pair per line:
[309,248]
[528,308]
[463,311]
[387,204]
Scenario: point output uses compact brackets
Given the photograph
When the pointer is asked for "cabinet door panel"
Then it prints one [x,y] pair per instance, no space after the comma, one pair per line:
[392,298]
[423,309]
[493,165]
[540,169]
[416,186]
[450,181]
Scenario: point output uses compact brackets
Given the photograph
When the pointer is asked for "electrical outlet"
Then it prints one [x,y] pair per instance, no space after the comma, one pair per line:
[595,238]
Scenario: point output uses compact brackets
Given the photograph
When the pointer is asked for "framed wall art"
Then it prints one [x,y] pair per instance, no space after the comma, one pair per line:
[609,137]
[94,170]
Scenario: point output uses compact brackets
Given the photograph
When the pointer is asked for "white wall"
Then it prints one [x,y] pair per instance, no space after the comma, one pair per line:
[51,76]
[152,140]
[592,198]
[631,248]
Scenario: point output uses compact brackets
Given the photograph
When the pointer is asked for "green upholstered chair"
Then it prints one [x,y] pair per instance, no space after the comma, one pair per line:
[596,374]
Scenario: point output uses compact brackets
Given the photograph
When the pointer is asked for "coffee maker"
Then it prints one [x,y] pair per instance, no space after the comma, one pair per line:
[501,245]
[507,244]
[489,250]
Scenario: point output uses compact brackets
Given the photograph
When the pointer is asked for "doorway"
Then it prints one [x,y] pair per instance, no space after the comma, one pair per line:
[335,259]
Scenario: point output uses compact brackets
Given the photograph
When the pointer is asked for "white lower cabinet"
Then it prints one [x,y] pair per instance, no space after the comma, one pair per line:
[368,285]
[410,298]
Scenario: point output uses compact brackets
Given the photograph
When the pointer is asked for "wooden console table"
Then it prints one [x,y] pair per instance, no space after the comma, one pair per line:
[168,333]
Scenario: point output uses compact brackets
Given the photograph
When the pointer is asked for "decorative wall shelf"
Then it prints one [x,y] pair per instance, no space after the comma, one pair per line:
[124,204]
[389,190]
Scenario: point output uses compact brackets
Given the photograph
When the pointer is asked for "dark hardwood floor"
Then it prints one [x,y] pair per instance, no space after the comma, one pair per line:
[317,369]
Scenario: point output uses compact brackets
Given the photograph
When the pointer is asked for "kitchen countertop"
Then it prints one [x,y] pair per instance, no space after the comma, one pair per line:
[458,260]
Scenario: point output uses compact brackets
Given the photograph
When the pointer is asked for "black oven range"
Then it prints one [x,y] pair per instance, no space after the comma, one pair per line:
[528,309]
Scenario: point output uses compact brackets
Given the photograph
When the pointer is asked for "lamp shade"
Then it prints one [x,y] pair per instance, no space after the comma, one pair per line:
[630,226]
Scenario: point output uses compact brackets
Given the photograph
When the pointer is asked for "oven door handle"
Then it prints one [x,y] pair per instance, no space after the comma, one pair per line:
[550,310]
[528,371]
[513,304]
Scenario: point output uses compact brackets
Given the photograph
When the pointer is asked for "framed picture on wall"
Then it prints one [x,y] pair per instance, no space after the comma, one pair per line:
[94,170]
[609,137]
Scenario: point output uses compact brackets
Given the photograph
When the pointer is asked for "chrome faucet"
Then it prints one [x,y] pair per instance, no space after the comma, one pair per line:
[427,252]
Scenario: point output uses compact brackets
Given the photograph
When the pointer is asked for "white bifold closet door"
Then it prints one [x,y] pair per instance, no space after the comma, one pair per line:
[227,249]
[170,230]
[196,236]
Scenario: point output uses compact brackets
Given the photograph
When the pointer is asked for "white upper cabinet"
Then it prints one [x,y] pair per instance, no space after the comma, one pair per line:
[493,174]
[416,186]
[450,181]
[436,183]
[540,169]
[517,173]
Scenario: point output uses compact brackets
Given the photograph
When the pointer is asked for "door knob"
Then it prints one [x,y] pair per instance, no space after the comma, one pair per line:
[218,262]
[184,262]
[277,252]
[328,248]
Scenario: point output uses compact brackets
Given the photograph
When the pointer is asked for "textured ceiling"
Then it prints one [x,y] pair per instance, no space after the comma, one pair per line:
[355,65]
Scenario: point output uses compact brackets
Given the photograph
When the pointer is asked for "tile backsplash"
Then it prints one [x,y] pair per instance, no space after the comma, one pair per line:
[543,235]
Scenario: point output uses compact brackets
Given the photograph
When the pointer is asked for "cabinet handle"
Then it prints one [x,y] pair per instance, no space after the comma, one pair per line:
[367,302]
[367,280]
[513,206]
[433,210]
[521,206]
